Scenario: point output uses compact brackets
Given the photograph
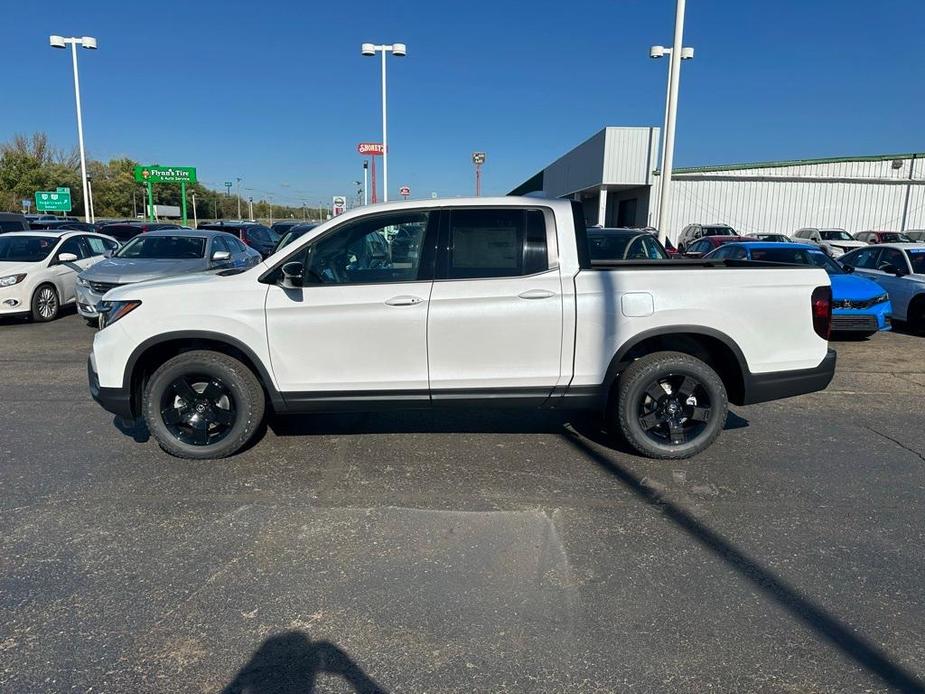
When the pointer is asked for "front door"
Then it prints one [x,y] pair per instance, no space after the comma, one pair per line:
[357,327]
[495,326]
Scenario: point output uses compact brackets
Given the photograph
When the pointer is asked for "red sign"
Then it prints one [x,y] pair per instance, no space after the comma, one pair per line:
[404,191]
[371,148]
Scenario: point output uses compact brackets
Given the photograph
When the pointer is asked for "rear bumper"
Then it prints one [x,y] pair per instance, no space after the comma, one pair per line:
[785,384]
[115,400]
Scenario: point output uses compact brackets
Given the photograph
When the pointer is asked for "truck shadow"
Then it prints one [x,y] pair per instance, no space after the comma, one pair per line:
[290,662]
[825,625]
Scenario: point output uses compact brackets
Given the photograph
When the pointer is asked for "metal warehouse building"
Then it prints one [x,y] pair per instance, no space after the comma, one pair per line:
[613,174]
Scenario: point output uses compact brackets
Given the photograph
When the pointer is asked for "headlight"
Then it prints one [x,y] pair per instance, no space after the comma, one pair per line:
[10,280]
[880,299]
[111,311]
[82,282]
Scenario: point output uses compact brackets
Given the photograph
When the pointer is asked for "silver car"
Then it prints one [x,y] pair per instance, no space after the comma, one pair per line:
[159,254]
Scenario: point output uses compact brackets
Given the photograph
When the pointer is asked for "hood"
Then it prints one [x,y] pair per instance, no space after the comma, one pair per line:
[193,281]
[846,244]
[855,288]
[128,270]
[15,267]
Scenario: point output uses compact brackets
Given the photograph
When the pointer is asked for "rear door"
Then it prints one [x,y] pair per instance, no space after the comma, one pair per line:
[495,322]
[900,289]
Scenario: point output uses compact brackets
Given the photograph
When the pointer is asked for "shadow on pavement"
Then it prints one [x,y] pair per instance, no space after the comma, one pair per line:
[289,663]
[842,636]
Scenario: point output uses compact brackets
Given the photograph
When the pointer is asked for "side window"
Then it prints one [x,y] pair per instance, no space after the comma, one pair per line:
[111,245]
[894,257]
[637,250]
[495,243]
[700,247]
[653,250]
[864,258]
[361,252]
[73,245]
[722,252]
[219,244]
[97,245]
[259,234]
[738,253]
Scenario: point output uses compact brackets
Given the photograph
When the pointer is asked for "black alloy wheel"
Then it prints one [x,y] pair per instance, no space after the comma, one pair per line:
[198,410]
[674,409]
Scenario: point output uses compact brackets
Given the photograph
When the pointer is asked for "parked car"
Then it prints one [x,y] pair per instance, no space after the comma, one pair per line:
[835,242]
[42,217]
[64,225]
[859,306]
[624,244]
[38,269]
[10,221]
[294,232]
[124,231]
[692,232]
[257,236]
[917,235]
[705,244]
[900,269]
[503,307]
[776,238]
[156,255]
[282,226]
[882,237]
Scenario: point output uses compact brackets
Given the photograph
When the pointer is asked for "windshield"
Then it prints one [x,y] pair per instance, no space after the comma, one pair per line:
[26,249]
[719,231]
[797,256]
[292,235]
[164,247]
[894,237]
[610,246]
[835,235]
[917,257]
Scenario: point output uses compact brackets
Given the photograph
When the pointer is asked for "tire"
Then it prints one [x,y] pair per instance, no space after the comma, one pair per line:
[916,316]
[45,303]
[660,424]
[203,405]
[93,322]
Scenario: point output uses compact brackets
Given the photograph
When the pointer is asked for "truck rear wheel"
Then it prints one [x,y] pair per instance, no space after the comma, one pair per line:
[203,405]
[670,405]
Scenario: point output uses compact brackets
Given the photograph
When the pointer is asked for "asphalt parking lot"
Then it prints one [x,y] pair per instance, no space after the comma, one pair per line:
[463,551]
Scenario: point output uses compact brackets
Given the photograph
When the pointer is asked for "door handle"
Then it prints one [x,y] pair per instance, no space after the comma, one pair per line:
[404,300]
[536,294]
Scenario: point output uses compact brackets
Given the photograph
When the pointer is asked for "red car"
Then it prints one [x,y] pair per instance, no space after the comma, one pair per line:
[883,237]
[705,244]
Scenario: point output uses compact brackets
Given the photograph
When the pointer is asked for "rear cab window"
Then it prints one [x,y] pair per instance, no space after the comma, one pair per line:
[493,243]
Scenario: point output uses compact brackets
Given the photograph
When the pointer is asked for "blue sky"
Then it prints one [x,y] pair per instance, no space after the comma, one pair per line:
[278,93]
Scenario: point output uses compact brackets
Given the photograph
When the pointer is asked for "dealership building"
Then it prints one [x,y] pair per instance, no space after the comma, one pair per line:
[614,174]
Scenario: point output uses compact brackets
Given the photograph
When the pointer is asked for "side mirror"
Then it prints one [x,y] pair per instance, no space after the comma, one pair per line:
[67,258]
[293,275]
[847,268]
[221,256]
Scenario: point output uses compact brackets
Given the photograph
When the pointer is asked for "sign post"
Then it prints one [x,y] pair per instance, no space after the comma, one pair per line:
[372,150]
[478,158]
[404,191]
[338,205]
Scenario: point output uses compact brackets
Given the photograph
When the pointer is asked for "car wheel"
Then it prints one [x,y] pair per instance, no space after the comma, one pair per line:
[45,303]
[203,405]
[670,405]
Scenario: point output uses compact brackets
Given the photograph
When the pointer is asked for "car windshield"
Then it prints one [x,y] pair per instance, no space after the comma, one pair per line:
[26,249]
[616,246]
[292,235]
[894,237]
[835,235]
[797,256]
[917,258]
[719,231]
[164,247]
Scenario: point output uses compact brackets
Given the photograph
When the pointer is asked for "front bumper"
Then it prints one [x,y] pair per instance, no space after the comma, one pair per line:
[785,384]
[15,300]
[115,400]
[87,302]
[869,320]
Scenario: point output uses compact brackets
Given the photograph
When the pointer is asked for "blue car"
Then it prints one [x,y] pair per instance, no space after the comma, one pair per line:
[859,306]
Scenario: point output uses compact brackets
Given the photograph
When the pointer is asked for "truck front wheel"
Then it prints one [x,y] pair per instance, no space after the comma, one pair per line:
[670,405]
[203,405]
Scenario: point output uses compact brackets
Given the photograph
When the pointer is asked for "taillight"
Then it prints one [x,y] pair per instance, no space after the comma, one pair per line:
[821,303]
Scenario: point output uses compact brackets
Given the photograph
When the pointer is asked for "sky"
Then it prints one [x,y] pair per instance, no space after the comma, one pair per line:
[278,94]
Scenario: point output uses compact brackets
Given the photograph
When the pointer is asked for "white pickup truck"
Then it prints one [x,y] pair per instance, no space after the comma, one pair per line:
[460,302]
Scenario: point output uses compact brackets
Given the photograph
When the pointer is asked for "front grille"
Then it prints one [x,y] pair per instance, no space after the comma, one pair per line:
[854,323]
[858,303]
[103,287]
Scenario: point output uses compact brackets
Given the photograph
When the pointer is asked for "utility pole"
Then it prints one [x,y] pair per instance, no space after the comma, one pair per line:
[195,218]
[365,181]
[239,197]
[671,120]
[250,208]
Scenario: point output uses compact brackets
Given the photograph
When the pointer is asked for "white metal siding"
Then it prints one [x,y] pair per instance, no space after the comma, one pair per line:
[630,156]
[579,169]
[855,195]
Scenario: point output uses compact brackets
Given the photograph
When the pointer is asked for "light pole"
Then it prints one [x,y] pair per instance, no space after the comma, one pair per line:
[399,50]
[239,197]
[90,198]
[365,182]
[478,158]
[671,113]
[250,208]
[88,42]
[195,217]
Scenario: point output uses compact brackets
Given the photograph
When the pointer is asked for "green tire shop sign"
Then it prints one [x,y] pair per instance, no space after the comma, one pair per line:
[156,173]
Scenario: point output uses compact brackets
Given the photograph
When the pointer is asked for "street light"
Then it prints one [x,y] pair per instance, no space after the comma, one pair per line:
[399,50]
[671,111]
[88,42]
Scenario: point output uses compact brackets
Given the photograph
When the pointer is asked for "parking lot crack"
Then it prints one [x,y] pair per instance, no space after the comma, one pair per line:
[897,442]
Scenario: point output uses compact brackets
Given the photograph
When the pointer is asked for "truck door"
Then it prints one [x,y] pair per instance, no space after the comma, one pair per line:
[495,322]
